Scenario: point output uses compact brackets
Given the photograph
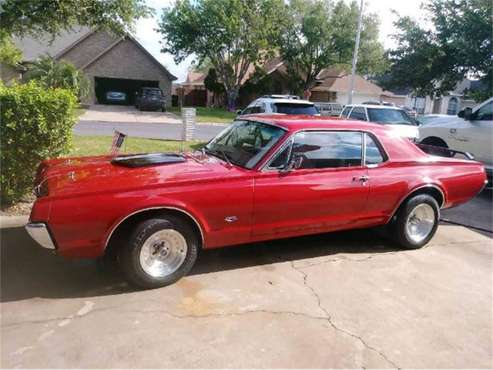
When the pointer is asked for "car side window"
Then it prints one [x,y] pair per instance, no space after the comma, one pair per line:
[373,155]
[345,112]
[358,113]
[251,110]
[328,149]
[485,113]
[281,159]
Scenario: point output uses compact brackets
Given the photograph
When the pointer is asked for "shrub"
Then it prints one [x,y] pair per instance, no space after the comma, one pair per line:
[58,74]
[35,123]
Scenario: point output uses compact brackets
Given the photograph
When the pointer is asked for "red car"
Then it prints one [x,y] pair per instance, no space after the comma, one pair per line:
[263,177]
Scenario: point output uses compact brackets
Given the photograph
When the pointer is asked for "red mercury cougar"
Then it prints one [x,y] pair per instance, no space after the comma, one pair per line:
[264,177]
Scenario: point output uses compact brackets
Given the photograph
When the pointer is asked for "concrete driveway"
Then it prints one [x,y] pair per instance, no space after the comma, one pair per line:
[337,300]
[103,120]
[126,113]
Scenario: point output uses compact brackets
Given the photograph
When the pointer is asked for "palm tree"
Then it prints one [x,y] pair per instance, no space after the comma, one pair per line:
[58,74]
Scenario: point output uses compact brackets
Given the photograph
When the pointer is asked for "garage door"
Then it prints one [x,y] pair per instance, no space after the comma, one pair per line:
[127,86]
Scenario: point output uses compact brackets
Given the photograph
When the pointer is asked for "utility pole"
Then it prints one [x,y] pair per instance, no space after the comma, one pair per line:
[355,55]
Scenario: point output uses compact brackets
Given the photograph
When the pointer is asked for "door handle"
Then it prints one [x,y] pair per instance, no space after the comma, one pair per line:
[362,179]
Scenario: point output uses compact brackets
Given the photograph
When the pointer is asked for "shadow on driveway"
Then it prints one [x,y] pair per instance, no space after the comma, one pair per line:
[28,271]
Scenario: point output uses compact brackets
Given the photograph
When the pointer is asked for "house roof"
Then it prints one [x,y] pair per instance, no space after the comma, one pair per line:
[337,80]
[34,47]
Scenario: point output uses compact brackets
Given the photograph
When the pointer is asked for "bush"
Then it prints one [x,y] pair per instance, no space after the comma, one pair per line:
[35,123]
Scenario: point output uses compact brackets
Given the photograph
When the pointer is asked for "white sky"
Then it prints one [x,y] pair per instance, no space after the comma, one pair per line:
[150,39]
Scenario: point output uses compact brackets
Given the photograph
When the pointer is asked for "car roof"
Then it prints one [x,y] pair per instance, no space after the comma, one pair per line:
[297,122]
[374,106]
[281,100]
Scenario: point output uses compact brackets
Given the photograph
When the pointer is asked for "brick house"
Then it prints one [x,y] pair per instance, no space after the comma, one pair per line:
[332,86]
[110,62]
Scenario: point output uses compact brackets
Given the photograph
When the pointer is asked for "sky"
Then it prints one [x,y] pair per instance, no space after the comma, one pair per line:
[150,39]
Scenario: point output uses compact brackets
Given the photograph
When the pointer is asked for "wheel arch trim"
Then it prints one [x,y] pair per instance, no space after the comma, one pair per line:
[180,210]
[414,190]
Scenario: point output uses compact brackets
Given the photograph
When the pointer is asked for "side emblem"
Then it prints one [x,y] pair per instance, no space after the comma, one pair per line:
[231,219]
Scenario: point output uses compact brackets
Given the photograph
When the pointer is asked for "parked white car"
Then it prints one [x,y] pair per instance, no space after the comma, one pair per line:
[470,131]
[281,104]
[395,117]
[330,109]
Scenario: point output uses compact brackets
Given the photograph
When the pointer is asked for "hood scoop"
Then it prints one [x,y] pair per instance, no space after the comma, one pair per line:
[144,160]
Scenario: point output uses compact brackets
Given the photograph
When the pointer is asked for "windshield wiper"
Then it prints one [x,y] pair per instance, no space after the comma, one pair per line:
[222,154]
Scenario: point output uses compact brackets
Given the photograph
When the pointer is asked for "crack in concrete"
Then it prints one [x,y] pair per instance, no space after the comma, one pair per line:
[382,254]
[59,318]
[345,259]
[328,317]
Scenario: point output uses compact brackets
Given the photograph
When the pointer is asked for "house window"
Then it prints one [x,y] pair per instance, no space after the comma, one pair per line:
[453,106]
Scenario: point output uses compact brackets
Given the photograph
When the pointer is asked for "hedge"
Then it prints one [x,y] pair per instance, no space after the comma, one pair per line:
[35,123]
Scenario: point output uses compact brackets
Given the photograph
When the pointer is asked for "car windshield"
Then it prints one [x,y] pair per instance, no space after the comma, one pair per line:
[244,143]
[152,92]
[390,116]
[295,108]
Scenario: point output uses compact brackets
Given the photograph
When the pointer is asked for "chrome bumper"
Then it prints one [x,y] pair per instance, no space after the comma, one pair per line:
[39,232]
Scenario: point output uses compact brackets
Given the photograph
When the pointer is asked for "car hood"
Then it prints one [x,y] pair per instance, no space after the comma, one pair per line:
[83,175]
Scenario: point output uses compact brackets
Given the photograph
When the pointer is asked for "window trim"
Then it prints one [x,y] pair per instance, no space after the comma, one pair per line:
[350,110]
[380,148]
[289,141]
[364,111]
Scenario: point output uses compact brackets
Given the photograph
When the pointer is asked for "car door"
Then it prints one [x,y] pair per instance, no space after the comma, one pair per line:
[475,135]
[327,192]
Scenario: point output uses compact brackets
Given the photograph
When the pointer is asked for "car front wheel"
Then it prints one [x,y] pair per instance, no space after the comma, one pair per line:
[159,252]
[416,221]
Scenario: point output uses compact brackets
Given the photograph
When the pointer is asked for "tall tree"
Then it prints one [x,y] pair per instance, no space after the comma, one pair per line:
[233,35]
[457,45]
[320,34]
[28,17]
[211,83]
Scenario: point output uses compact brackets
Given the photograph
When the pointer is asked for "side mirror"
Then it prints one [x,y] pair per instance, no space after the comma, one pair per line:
[238,112]
[294,163]
[468,113]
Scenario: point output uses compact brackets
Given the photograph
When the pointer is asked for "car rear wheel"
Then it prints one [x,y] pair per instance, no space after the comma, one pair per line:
[416,221]
[159,252]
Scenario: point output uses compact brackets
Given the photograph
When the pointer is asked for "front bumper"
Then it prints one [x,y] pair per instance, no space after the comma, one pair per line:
[40,233]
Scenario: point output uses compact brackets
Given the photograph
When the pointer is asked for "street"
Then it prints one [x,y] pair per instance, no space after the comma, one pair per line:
[337,300]
[165,131]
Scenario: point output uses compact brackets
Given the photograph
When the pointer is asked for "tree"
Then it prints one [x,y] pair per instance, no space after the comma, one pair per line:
[27,17]
[457,45]
[212,83]
[9,54]
[319,34]
[233,35]
[53,74]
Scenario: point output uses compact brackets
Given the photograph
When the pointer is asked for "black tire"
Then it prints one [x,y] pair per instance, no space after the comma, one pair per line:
[129,254]
[398,227]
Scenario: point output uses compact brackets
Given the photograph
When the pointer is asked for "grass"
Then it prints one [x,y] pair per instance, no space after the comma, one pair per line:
[216,115]
[95,145]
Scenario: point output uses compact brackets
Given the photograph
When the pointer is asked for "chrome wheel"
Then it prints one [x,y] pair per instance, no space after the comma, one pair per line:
[420,222]
[163,253]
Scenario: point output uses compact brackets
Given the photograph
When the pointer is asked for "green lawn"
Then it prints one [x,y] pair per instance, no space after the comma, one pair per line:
[217,115]
[93,145]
